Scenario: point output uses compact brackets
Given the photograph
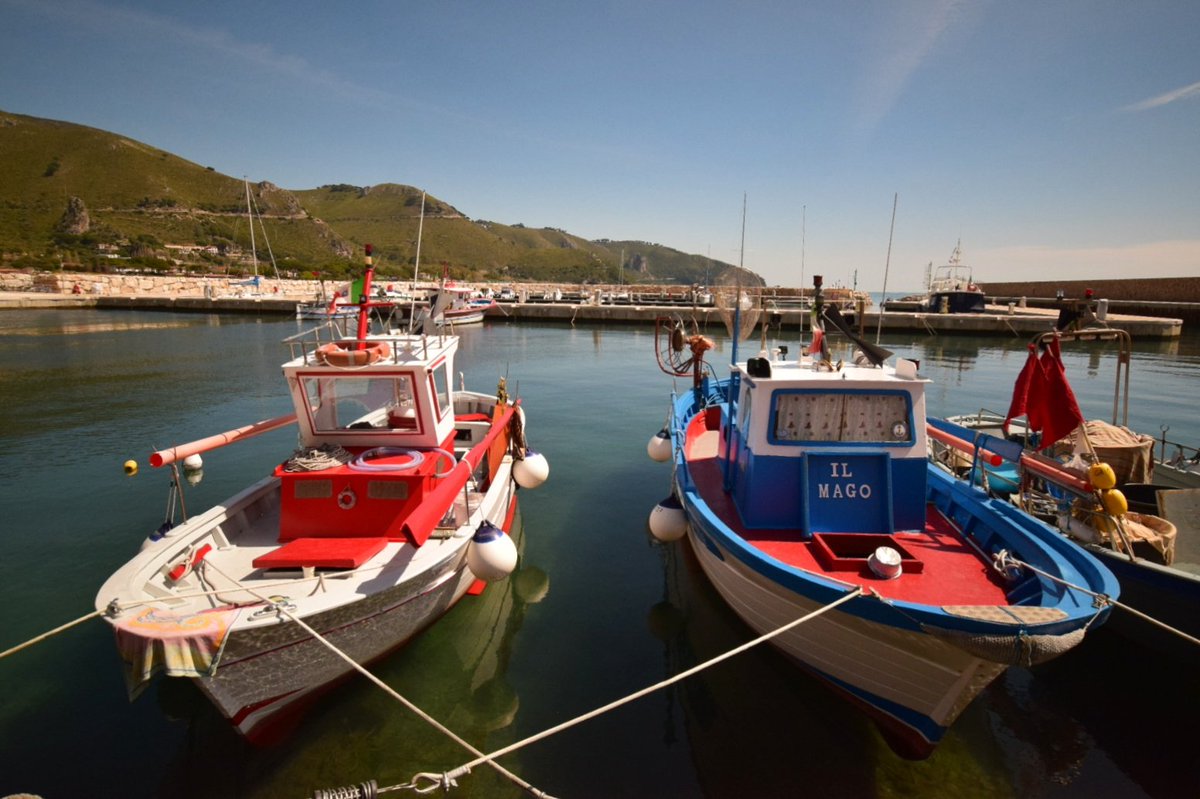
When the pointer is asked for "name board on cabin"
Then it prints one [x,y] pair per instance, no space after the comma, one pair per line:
[848,492]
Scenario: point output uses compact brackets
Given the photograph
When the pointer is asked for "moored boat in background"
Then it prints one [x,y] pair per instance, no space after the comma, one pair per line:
[952,288]
[1103,487]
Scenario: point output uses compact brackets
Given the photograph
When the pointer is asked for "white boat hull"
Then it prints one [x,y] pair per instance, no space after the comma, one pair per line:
[265,672]
[876,665]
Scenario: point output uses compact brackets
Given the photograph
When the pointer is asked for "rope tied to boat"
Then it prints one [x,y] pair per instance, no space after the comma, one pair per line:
[449,778]
[1099,600]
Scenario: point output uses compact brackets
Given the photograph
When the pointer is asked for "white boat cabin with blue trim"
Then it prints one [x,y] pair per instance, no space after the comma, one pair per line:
[821,449]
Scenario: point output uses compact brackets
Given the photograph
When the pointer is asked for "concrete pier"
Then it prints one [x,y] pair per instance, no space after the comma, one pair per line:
[999,321]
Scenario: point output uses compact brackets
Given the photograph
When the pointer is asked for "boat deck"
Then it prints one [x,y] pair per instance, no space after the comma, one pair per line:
[951,573]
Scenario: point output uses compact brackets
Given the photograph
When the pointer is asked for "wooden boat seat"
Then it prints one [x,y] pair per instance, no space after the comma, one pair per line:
[327,553]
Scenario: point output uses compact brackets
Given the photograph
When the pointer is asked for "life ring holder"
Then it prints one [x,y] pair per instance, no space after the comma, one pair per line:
[346,353]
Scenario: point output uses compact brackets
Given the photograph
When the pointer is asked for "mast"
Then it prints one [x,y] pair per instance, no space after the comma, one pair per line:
[412,295]
[420,230]
[250,221]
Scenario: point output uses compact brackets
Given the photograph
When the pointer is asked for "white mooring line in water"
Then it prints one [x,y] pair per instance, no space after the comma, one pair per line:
[426,782]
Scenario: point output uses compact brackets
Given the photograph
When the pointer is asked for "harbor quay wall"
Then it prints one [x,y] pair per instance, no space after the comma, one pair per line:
[1151,289]
[1177,297]
[25,289]
[110,284]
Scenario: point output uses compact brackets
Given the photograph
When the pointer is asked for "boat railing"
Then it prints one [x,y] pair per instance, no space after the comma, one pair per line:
[401,346]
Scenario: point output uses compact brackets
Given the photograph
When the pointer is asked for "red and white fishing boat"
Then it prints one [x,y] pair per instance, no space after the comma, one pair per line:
[395,506]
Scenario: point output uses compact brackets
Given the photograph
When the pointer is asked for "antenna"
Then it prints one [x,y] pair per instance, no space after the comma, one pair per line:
[887,265]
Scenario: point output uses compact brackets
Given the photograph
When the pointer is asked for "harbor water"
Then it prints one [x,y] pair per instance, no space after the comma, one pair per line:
[596,610]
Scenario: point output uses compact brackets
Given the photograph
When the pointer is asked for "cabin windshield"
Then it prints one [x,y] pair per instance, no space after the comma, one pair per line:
[366,402]
[873,417]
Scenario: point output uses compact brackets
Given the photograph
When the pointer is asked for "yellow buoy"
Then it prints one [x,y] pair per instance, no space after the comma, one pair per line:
[1114,502]
[1102,476]
[131,468]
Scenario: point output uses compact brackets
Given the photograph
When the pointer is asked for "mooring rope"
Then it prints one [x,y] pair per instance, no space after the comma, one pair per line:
[282,609]
[1003,557]
[448,779]
[48,634]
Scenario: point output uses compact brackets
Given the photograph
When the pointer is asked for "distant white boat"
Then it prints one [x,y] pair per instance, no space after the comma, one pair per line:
[953,289]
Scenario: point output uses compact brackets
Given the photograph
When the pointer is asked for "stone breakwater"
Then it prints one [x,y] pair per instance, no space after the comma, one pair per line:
[1150,289]
[122,285]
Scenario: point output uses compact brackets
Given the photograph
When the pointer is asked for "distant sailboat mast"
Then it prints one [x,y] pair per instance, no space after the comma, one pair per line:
[250,221]
[420,230]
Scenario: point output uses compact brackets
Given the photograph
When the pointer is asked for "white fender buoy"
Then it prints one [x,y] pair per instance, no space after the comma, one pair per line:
[532,470]
[659,446]
[668,522]
[193,462]
[491,555]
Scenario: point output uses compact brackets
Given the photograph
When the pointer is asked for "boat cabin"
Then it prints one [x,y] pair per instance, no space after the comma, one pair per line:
[828,450]
[394,414]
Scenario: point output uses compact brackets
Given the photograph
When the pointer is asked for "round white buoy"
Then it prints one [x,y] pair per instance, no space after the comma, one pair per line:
[885,563]
[491,555]
[193,462]
[532,470]
[659,446]
[667,521]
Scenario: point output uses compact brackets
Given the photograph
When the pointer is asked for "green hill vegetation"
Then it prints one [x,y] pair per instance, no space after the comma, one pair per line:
[81,198]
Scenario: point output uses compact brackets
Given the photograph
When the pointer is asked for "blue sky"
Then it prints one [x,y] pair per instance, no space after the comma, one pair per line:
[1055,139]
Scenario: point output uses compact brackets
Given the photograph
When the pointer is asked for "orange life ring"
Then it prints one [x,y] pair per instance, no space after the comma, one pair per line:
[340,353]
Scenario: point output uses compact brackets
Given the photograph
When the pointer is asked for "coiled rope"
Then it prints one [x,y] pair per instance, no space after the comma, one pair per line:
[326,456]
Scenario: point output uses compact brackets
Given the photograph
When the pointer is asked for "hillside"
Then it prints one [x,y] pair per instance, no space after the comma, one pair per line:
[91,199]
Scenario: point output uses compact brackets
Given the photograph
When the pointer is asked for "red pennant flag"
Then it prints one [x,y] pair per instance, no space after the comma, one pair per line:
[1043,394]
[1020,398]
[1060,411]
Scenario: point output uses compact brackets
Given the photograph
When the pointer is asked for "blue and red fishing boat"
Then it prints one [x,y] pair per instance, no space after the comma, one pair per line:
[396,505]
[803,487]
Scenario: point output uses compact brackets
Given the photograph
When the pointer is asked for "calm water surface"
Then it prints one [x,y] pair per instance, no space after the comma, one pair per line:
[595,612]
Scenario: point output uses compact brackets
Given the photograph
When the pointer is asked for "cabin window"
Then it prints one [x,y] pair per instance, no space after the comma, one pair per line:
[362,403]
[744,404]
[875,417]
[439,382]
